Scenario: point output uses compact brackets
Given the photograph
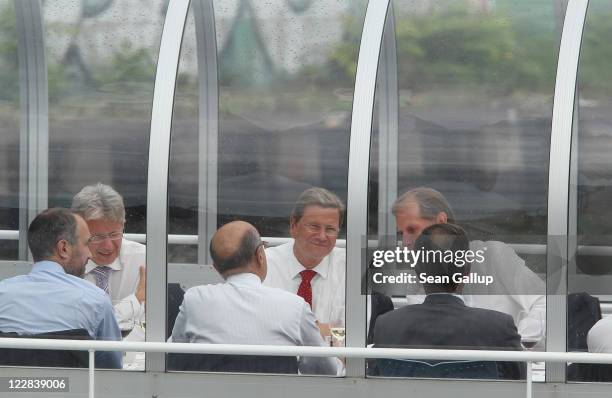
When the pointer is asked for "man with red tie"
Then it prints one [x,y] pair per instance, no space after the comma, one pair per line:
[310,265]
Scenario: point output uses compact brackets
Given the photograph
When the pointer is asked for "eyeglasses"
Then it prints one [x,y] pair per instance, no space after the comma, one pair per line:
[97,238]
[329,231]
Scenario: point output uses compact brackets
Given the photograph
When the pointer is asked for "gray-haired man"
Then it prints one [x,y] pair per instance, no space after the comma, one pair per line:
[117,265]
[517,290]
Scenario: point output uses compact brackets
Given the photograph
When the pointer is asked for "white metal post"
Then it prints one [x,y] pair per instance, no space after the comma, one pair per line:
[92,362]
[529,380]
[359,161]
[558,184]
[157,181]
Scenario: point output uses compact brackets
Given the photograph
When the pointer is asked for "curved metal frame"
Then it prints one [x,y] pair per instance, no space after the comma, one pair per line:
[34,124]
[157,186]
[208,124]
[558,183]
[388,126]
[359,164]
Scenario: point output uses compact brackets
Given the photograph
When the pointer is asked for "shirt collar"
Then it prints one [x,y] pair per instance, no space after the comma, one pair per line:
[115,265]
[48,266]
[244,279]
[322,269]
[459,296]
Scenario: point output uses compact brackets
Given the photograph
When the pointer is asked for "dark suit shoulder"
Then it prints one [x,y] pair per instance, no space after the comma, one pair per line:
[491,314]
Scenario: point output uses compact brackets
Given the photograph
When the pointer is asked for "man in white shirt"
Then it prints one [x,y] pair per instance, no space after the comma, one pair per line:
[311,266]
[117,265]
[598,338]
[421,207]
[242,310]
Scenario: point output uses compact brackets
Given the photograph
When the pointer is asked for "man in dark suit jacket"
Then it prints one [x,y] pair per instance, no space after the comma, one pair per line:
[443,320]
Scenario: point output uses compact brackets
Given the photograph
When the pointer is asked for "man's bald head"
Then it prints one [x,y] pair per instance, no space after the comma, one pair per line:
[233,247]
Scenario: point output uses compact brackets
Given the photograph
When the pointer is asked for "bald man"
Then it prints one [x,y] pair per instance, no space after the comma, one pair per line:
[242,310]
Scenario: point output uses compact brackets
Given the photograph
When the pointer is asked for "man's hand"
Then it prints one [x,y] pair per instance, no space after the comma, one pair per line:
[141,289]
[324,329]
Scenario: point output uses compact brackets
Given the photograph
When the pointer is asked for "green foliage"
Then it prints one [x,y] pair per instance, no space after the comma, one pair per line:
[129,70]
[461,47]
[595,73]
[9,61]
[342,65]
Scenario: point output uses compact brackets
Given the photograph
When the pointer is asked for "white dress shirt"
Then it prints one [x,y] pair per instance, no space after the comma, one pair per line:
[512,279]
[599,338]
[243,311]
[122,283]
[328,286]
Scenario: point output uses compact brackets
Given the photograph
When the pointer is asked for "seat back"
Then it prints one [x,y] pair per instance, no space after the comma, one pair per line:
[437,369]
[232,363]
[50,358]
[590,372]
[175,299]
[583,311]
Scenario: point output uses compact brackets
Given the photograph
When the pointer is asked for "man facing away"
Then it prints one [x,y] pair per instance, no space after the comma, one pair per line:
[444,320]
[311,266]
[117,265]
[242,310]
[53,296]
[421,207]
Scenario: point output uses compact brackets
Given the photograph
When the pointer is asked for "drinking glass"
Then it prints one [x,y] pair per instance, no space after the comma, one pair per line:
[336,327]
[533,331]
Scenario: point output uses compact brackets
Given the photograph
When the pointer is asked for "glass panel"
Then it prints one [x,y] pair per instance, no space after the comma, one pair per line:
[286,76]
[589,277]
[9,134]
[474,96]
[101,59]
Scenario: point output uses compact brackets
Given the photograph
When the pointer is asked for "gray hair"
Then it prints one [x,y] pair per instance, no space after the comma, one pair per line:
[48,228]
[99,201]
[431,203]
[317,197]
[238,258]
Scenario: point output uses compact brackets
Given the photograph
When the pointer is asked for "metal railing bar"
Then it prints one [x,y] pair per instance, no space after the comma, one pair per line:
[269,350]
[175,239]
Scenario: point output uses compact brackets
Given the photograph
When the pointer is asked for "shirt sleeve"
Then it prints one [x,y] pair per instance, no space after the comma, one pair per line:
[524,287]
[310,336]
[129,312]
[532,317]
[599,336]
[108,330]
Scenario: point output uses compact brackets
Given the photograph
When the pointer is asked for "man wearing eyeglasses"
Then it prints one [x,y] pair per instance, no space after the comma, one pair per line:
[117,265]
[310,265]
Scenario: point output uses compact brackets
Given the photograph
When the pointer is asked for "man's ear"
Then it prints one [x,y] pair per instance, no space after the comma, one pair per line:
[216,269]
[260,254]
[441,218]
[63,249]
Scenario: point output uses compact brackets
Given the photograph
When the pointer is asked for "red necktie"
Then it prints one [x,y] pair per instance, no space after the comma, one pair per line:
[305,290]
